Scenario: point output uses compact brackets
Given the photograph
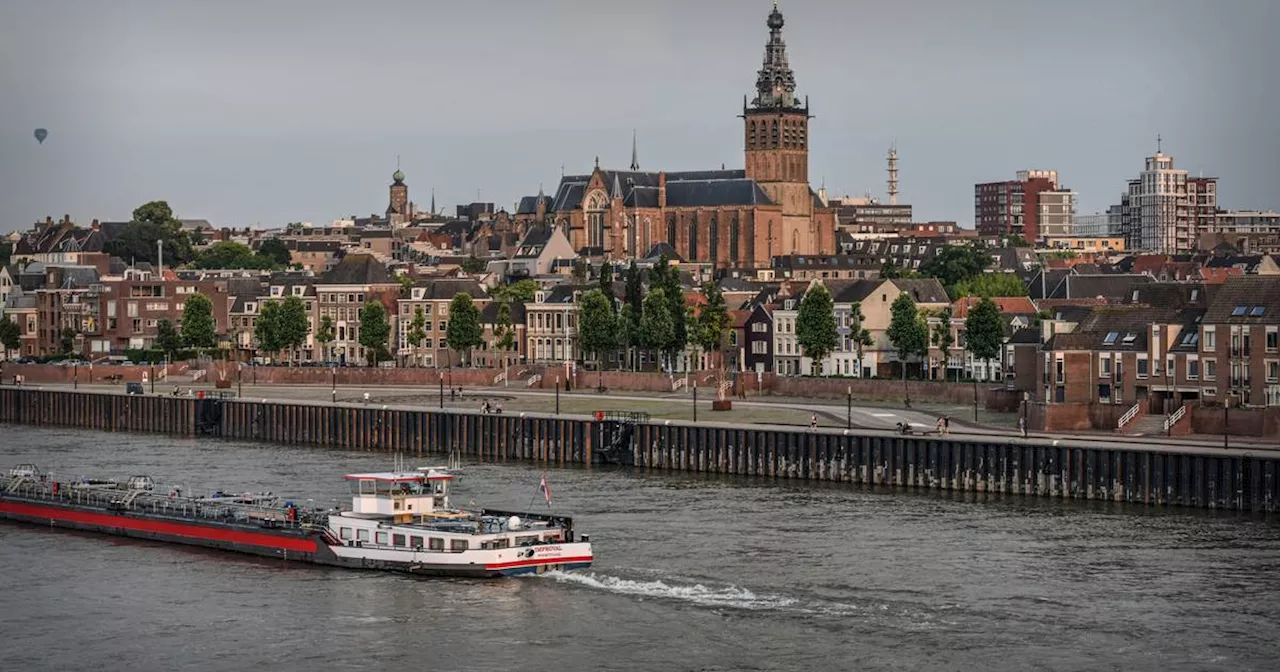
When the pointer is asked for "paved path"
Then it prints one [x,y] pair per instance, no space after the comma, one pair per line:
[876,420]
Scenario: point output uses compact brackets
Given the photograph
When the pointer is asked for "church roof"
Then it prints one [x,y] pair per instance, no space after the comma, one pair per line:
[700,193]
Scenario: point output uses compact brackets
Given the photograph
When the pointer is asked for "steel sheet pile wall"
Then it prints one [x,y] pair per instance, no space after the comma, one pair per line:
[1231,480]
[488,437]
[1238,482]
[93,410]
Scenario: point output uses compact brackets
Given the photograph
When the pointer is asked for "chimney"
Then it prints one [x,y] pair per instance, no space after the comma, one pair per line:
[662,189]
[94,226]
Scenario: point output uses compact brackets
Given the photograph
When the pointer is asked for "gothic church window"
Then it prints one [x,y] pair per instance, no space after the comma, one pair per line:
[596,205]
[733,239]
[715,240]
[671,231]
[693,238]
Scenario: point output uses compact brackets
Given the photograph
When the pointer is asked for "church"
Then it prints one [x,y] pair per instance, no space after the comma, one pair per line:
[729,218]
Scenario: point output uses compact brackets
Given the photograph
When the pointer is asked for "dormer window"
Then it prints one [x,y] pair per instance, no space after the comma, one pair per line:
[540,297]
[417,293]
[277,291]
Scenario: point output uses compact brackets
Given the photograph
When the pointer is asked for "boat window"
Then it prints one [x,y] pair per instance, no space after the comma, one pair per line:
[368,486]
[397,540]
[553,538]
[381,538]
[436,544]
[502,543]
[415,542]
[345,533]
[458,545]
[362,534]
[527,540]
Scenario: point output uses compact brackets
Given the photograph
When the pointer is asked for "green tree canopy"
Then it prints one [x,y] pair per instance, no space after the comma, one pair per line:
[816,324]
[942,337]
[473,265]
[892,271]
[167,337]
[67,342]
[228,254]
[713,320]
[266,329]
[275,252]
[858,334]
[199,329]
[597,327]
[668,279]
[990,284]
[504,332]
[10,334]
[635,291]
[1016,241]
[294,324]
[907,332]
[521,291]
[956,263]
[656,328]
[326,333]
[6,252]
[406,285]
[463,332]
[580,271]
[374,329]
[627,328]
[152,222]
[606,284]
[984,330]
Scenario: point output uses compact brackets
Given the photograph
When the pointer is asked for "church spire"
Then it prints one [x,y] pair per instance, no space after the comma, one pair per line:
[775,83]
[433,201]
[635,158]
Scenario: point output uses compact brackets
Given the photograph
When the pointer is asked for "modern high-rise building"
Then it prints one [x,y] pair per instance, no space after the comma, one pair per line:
[1165,211]
[1034,206]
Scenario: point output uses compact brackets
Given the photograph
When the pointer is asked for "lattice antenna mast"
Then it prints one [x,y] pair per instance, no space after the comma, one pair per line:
[893,174]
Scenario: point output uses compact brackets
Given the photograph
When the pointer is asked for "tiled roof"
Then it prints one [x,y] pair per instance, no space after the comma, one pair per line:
[1246,299]
[925,290]
[489,314]
[358,269]
[703,193]
[1010,305]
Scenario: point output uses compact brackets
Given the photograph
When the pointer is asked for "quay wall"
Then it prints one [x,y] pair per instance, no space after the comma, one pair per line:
[1224,480]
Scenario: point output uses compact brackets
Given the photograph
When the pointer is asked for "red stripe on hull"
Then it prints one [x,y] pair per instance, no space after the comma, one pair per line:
[539,561]
[185,530]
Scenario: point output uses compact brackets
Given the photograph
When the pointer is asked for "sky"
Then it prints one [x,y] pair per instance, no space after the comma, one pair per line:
[261,113]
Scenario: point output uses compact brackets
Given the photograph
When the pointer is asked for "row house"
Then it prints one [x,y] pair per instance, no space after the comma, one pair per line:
[551,325]
[433,298]
[1017,313]
[490,354]
[340,295]
[873,299]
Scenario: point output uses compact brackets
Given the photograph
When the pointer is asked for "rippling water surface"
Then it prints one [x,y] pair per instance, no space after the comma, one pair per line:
[692,573]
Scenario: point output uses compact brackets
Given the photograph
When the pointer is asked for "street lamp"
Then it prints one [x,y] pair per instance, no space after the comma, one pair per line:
[441,373]
[695,400]
[75,376]
[153,377]
[848,422]
[333,391]
[557,395]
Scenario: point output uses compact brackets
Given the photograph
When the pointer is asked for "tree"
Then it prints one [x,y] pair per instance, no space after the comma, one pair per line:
[504,332]
[984,330]
[473,265]
[266,329]
[954,264]
[326,334]
[417,331]
[294,324]
[273,250]
[816,325]
[858,335]
[6,252]
[167,337]
[152,222]
[668,279]
[627,330]
[521,291]
[656,328]
[580,271]
[606,284]
[406,285]
[199,330]
[597,327]
[10,335]
[908,333]
[942,337]
[228,254]
[1016,241]
[463,332]
[374,329]
[67,344]
[991,284]
[634,298]
[712,327]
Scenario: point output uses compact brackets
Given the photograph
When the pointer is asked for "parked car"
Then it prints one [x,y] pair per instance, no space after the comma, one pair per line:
[133,388]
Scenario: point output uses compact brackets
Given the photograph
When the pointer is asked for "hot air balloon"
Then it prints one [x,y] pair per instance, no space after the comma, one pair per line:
[41,134]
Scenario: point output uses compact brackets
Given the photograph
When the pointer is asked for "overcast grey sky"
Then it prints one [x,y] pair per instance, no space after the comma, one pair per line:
[249,113]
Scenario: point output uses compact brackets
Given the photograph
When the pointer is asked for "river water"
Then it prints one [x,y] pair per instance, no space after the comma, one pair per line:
[692,573]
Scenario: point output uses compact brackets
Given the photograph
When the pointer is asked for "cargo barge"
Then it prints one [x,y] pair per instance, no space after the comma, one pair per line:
[399,521]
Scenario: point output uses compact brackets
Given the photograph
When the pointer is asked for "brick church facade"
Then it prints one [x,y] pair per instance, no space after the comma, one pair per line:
[732,218]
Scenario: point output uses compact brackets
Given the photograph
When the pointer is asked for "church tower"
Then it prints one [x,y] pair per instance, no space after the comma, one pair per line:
[398,209]
[776,136]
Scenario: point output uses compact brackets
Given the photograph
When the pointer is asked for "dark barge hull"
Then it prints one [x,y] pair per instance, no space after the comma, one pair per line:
[283,544]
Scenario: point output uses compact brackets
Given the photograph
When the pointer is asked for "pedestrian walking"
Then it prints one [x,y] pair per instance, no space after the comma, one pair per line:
[946,424]
[941,426]
[813,423]
[1022,427]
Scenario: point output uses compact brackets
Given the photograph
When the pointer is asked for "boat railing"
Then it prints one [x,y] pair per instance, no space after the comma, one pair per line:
[145,501]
